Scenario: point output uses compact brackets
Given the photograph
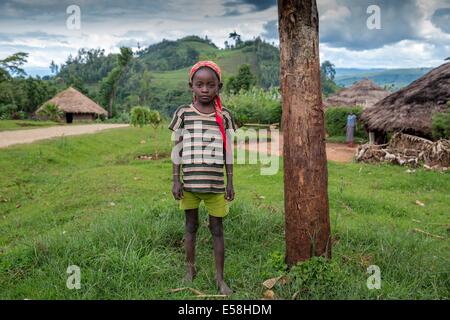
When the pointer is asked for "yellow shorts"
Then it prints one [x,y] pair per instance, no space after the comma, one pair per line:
[215,203]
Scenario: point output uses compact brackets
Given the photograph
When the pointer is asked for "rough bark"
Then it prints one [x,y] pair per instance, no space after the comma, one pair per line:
[305,164]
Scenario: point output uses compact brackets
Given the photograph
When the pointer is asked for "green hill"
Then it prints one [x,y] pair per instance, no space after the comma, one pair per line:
[398,78]
[160,71]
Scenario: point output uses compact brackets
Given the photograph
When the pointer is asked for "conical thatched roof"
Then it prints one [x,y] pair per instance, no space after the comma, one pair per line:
[73,101]
[363,93]
[411,109]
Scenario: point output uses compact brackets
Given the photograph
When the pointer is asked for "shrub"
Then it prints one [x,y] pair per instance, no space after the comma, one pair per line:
[316,271]
[141,116]
[51,112]
[124,117]
[7,111]
[154,118]
[254,106]
[441,124]
[18,115]
[336,121]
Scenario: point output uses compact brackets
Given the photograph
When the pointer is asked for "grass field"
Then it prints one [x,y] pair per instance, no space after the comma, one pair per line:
[87,201]
[24,124]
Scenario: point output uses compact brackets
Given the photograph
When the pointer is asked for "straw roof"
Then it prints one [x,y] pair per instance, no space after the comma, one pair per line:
[363,93]
[73,101]
[411,109]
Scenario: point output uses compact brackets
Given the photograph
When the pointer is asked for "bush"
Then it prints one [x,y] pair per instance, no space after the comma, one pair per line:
[336,121]
[313,272]
[254,106]
[154,118]
[123,117]
[441,125]
[51,112]
[19,115]
[141,116]
[7,111]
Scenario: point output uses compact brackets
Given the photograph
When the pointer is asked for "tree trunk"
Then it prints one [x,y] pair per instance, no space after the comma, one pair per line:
[305,163]
[111,101]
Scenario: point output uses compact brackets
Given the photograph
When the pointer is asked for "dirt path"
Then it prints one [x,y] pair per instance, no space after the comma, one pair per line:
[335,151]
[9,138]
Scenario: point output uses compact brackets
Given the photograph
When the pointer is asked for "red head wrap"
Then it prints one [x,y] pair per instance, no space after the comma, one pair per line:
[217,102]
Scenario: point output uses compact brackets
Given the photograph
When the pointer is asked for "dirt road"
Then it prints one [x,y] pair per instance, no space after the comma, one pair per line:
[9,138]
[335,151]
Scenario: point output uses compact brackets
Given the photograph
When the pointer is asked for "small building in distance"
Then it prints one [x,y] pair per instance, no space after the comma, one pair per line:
[363,93]
[410,110]
[76,106]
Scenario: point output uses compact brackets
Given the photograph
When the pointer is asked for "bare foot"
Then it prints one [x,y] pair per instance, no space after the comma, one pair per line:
[223,288]
[190,274]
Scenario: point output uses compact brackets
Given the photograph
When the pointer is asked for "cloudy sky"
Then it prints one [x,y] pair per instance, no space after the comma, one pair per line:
[413,33]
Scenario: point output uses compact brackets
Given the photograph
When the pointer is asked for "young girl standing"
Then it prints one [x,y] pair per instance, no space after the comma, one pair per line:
[202,130]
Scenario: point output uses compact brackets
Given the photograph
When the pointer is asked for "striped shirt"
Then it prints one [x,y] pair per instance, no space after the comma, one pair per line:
[202,150]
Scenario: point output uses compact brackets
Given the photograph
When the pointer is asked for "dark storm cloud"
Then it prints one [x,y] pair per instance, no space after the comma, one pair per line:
[231,13]
[398,22]
[37,35]
[346,25]
[258,5]
[94,9]
[270,30]
[441,19]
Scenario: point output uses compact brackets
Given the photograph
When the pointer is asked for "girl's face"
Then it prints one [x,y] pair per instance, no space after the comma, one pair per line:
[205,85]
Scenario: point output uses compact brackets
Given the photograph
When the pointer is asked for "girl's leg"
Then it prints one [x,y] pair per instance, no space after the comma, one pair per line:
[216,228]
[191,227]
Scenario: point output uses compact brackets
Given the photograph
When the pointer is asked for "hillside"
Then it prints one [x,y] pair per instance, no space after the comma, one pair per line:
[399,78]
[158,76]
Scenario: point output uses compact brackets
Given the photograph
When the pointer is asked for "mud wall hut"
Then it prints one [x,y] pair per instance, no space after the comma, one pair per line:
[76,106]
[410,110]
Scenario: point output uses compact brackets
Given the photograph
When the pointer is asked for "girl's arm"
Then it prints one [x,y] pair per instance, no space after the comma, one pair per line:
[229,171]
[230,189]
[177,189]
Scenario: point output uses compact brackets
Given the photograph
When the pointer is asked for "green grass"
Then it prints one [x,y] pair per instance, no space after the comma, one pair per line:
[24,124]
[87,201]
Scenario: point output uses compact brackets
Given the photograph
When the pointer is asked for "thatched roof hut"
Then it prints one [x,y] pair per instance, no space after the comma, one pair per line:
[410,110]
[75,105]
[363,93]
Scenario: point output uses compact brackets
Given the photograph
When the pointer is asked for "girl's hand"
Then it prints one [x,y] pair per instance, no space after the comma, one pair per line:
[177,190]
[230,193]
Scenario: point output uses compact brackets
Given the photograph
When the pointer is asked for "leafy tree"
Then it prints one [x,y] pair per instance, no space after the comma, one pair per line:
[90,66]
[36,92]
[327,75]
[109,83]
[54,67]
[243,81]
[144,87]
[236,37]
[11,65]
[77,83]
[327,70]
